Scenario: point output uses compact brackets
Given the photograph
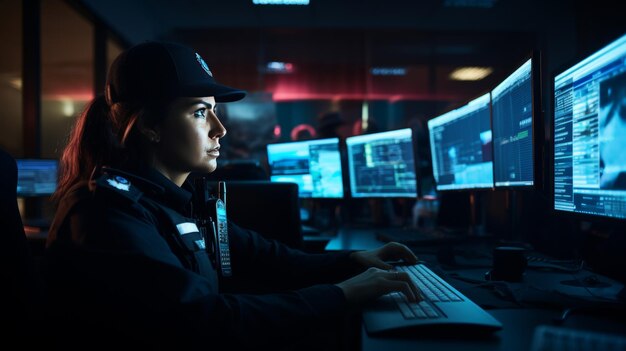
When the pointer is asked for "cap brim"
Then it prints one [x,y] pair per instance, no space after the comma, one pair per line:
[222,93]
[234,95]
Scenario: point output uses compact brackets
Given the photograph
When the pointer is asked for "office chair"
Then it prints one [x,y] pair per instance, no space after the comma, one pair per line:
[239,170]
[21,292]
[271,209]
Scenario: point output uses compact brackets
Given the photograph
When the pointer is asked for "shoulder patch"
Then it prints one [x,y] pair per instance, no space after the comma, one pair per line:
[119,185]
[119,182]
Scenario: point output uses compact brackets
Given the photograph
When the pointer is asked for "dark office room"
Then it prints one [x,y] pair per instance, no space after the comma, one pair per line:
[334,175]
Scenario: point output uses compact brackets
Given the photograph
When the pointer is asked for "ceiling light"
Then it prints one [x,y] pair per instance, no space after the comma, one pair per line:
[365,119]
[67,106]
[16,83]
[470,73]
[279,67]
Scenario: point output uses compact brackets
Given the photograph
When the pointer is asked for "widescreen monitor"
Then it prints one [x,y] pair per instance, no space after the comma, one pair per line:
[590,134]
[514,111]
[461,147]
[382,164]
[36,177]
[315,165]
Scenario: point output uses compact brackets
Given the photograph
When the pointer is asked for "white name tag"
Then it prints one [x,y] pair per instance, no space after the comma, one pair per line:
[187,227]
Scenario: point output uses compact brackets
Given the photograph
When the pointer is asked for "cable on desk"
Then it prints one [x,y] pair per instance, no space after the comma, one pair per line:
[604,311]
[569,266]
[561,319]
[592,281]
[555,297]
[500,288]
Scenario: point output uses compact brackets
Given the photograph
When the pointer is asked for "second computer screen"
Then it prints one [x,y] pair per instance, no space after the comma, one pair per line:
[315,165]
[36,177]
[382,164]
[461,146]
[512,111]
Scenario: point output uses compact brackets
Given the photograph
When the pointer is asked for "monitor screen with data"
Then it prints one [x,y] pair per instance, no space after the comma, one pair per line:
[590,134]
[513,110]
[315,165]
[36,177]
[382,164]
[461,147]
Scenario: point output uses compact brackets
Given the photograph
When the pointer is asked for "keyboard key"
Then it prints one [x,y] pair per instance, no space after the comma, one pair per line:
[432,288]
[417,310]
[412,310]
[430,312]
[403,305]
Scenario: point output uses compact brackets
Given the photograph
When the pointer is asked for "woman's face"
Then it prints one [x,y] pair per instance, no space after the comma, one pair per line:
[189,137]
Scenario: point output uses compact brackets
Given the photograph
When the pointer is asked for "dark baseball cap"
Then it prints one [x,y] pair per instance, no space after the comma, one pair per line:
[153,71]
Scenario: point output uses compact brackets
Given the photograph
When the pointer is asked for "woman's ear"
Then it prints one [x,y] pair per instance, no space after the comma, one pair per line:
[150,133]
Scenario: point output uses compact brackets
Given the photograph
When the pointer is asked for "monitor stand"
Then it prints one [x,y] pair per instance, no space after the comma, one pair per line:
[477,214]
[322,216]
[513,233]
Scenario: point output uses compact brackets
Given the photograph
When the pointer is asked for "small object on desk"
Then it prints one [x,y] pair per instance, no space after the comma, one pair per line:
[307,230]
[590,281]
[551,338]
[569,266]
[509,264]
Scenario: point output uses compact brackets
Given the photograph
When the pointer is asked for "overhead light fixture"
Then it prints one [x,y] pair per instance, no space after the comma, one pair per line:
[365,116]
[470,73]
[280,2]
[279,67]
[67,107]
[16,83]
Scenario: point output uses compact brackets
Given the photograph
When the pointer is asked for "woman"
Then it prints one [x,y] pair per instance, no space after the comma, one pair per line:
[126,261]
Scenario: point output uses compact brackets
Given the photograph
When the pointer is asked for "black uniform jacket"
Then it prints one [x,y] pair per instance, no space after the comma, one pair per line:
[124,263]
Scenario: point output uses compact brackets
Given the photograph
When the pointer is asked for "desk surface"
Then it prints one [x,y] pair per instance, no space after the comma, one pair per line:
[537,300]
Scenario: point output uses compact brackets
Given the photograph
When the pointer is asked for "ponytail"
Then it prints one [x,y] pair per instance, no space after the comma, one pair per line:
[91,144]
[106,135]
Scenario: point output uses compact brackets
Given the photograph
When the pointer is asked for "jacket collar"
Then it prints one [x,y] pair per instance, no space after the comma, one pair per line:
[157,186]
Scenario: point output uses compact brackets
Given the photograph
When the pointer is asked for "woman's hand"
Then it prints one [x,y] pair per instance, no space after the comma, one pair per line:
[375,282]
[389,252]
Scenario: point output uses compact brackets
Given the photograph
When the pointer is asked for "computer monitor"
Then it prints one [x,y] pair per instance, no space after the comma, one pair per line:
[590,134]
[382,164]
[315,165]
[461,147]
[36,177]
[515,110]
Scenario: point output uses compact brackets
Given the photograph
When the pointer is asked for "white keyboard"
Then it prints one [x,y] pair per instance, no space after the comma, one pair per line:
[433,289]
[444,308]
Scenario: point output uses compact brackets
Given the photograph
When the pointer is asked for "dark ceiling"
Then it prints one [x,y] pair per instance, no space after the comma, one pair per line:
[344,39]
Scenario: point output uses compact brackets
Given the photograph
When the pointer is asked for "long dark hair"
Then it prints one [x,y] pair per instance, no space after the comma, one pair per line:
[106,135]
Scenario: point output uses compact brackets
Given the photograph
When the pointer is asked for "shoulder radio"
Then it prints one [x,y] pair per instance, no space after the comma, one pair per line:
[210,213]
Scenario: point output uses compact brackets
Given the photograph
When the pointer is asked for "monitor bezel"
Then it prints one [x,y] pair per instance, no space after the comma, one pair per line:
[416,195]
[537,124]
[467,190]
[586,217]
[42,159]
[341,160]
